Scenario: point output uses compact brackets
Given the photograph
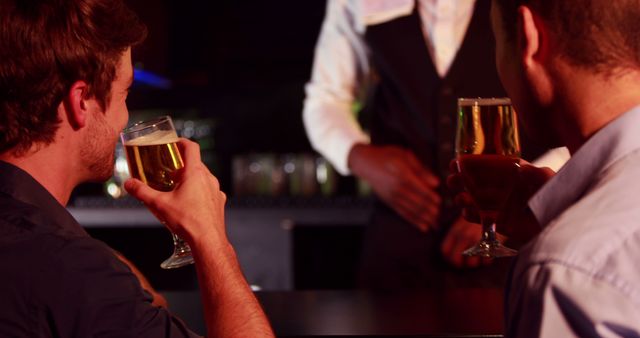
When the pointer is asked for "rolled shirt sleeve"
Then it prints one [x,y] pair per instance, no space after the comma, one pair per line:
[340,71]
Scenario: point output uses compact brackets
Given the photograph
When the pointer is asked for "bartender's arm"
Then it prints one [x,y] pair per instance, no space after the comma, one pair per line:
[340,72]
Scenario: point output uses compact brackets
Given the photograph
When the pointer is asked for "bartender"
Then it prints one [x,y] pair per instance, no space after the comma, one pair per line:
[407,62]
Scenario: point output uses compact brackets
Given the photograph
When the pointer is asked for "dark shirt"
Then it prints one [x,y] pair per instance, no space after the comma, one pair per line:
[58,281]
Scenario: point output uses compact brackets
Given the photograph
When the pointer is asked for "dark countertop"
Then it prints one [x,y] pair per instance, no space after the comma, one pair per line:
[473,312]
[262,231]
[101,212]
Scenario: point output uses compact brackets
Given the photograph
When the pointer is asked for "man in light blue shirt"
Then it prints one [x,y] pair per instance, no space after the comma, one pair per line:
[580,276]
[572,69]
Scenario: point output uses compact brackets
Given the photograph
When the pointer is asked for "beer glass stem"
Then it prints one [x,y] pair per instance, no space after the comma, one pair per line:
[180,245]
[181,254]
[489,246]
[489,230]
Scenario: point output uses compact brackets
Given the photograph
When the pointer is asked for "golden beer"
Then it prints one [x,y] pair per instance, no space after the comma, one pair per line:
[154,159]
[488,153]
[487,126]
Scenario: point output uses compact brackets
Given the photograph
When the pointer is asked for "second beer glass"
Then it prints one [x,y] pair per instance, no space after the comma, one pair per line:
[488,153]
[153,157]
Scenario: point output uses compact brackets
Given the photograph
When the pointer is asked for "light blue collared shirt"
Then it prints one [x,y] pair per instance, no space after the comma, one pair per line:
[581,276]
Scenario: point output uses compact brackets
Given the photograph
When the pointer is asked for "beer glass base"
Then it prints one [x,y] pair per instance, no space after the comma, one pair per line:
[177,260]
[490,250]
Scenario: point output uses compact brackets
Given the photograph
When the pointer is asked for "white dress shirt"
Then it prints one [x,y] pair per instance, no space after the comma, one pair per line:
[341,64]
[581,277]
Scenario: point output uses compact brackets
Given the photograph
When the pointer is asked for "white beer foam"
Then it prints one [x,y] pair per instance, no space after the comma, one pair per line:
[155,138]
[493,101]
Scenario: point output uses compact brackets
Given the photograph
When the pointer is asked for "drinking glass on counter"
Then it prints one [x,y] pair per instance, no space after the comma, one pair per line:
[153,157]
[488,153]
[288,175]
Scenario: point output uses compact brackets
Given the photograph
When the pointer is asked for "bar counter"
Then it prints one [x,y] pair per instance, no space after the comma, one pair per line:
[473,312]
[263,236]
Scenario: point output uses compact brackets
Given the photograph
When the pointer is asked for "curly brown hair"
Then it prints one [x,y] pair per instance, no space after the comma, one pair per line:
[601,35]
[45,47]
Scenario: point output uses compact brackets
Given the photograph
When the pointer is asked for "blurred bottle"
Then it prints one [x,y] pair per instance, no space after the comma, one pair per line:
[291,175]
[114,187]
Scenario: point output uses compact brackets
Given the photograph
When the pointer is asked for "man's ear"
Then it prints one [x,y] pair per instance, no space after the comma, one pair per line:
[535,46]
[76,104]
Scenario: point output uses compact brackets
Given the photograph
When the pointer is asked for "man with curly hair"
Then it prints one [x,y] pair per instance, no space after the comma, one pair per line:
[65,72]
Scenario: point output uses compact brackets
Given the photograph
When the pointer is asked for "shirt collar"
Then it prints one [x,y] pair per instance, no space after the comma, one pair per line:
[19,185]
[608,145]
[378,11]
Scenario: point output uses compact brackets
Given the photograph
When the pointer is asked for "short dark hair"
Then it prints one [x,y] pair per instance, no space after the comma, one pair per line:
[46,46]
[602,35]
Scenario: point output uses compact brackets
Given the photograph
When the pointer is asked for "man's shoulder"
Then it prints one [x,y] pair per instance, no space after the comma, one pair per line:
[49,251]
[601,221]
[594,243]
[22,222]
[48,266]
[12,209]
[557,298]
[582,268]
[598,237]
[29,234]
[71,281]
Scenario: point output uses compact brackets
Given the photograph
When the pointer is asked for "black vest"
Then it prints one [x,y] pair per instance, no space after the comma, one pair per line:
[411,105]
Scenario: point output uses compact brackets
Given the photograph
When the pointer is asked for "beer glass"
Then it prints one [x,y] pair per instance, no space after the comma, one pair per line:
[487,154]
[153,157]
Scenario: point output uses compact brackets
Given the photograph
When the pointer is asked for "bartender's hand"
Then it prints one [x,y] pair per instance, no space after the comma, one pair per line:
[516,222]
[400,180]
[461,236]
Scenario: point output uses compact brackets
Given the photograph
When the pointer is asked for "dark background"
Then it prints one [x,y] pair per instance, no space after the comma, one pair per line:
[242,64]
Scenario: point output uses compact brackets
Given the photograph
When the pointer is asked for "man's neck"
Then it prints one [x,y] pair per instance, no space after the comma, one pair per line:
[588,102]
